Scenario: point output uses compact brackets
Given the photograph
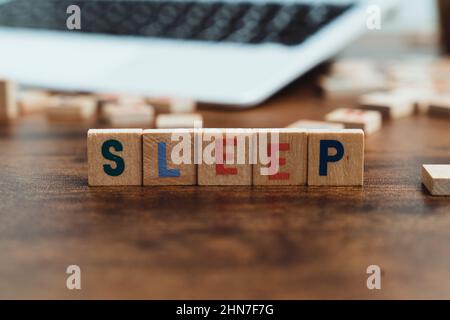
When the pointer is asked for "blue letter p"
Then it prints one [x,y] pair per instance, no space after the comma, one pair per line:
[325,158]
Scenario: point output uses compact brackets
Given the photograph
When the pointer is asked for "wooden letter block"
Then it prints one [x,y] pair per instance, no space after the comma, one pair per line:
[114,157]
[439,106]
[335,157]
[286,147]
[391,105]
[179,105]
[35,100]
[311,124]
[135,115]
[369,121]
[225,156]
[436,177]
[8,103]
[168,156]
[71,108]
[170,121]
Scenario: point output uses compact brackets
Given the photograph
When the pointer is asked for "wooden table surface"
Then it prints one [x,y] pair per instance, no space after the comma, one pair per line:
[224,242]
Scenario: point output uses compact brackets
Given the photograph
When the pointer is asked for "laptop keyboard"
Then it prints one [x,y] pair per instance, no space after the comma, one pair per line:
[240,22]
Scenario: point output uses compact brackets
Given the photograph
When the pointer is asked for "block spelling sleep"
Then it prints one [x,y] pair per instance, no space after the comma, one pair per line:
[282,157]
[168,157]
[335,157]
[114,157]
[225,157]
[8,103]
[369,121]
[391,105]
[436,178]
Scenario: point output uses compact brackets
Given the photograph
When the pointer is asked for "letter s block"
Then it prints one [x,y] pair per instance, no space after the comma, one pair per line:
[114,157]
[336,157]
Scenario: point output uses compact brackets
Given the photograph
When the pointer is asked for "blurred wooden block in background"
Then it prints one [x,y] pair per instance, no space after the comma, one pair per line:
[33,100]
[439,106]
[391,105]
[230,145]
[71,107]
[289,157]
[161,104]
[170,121]
[339,86]
[436,178]
[114,157]
[159,167]
[336,158]
[135,115]
[312,124]
[173,105]
[369,121]
[180,105]
[8,103]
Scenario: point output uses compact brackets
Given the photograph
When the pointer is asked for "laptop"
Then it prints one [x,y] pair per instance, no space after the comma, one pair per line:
[226,52]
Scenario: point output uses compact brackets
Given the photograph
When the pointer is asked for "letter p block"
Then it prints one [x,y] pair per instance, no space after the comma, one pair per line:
[336,157]
[114,157]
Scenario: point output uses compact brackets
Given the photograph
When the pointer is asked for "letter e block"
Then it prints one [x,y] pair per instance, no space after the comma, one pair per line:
[290,150]
[114,157]
[336,157]
[225,156]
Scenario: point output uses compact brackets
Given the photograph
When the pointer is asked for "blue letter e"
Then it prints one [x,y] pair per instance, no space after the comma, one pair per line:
[325,158]
[163,171]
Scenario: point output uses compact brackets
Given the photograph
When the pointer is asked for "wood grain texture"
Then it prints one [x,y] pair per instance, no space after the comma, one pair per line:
[292,156]
[127,145]
[8,103]
[437,179]
[291,242]
[174,174]
[347,170]
[214,173]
